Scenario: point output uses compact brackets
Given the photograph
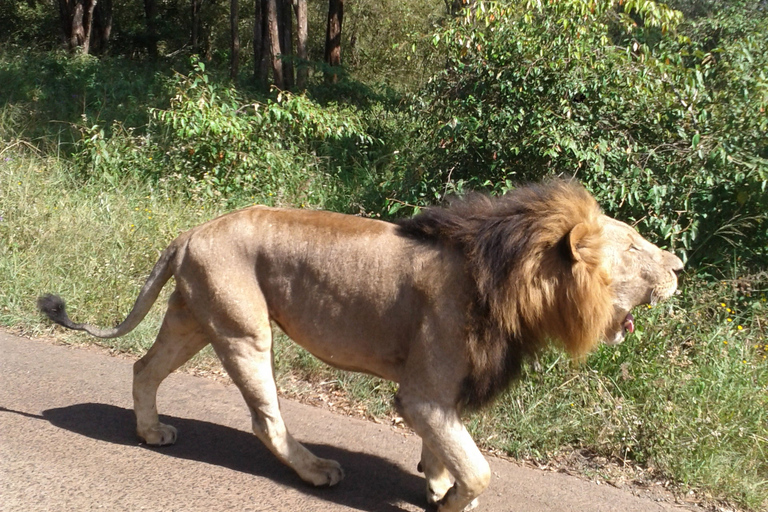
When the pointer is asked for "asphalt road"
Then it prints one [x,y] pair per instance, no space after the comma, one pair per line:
[67,443]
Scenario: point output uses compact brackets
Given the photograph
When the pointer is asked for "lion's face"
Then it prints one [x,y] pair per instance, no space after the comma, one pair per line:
[641,273]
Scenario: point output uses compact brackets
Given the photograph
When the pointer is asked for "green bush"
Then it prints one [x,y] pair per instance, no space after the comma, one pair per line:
[667,130]
[221,146]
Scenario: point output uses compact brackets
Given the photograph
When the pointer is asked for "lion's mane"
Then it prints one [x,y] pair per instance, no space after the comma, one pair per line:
[530,286]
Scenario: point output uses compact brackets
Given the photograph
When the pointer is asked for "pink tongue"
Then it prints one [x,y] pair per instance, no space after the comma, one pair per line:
[629,323]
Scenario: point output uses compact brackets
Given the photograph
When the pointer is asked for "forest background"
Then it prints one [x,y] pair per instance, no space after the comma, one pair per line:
[123,124]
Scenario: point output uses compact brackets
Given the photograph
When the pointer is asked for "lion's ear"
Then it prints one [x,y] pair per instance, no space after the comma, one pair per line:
[580,242]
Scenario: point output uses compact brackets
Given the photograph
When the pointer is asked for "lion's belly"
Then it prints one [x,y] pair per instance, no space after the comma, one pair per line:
[360,324]
[353,300]
[356,355]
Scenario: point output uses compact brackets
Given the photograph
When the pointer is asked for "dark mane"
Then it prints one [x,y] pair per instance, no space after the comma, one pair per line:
[516,251]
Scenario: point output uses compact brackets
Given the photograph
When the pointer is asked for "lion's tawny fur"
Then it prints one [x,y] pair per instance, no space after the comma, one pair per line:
[529,288]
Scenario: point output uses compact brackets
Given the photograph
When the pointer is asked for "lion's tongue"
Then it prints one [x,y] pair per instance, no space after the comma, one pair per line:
[629,323]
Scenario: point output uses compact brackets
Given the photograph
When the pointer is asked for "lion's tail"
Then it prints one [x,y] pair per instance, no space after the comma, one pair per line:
[54,308]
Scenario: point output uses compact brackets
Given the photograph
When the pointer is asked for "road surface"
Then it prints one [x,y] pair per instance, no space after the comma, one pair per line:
[67,443]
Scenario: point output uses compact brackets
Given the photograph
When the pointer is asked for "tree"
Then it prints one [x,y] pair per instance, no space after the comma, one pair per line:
[333,36]
[285,36]
[150,13]
[102,26]
[260,43]
[234,61]
[78,18]
[196,4]
[301,42]
[273,39]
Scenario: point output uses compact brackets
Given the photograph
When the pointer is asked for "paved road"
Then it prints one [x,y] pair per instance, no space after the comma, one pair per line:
[67,444]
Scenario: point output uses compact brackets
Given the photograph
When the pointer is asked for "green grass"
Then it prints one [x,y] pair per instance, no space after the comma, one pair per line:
[686,397]
[92,244]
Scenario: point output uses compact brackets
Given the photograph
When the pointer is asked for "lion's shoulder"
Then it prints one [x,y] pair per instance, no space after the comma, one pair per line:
[526,280]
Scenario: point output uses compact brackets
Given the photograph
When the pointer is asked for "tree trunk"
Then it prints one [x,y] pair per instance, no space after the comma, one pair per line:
[76,17]
[285,32]
[333,36]
[88,25]
[77,30]
[150,13]
[234,61]
[195,24]
[301,40]
[71,18]
[102,26]
[274,43]
[260,44]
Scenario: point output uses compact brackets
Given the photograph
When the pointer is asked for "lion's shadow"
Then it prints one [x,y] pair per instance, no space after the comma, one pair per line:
[371,483]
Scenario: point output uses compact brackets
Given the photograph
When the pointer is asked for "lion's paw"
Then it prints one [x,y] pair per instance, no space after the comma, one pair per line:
[322,472]
[472,505]
[159,435]
[436,489]
[443,506]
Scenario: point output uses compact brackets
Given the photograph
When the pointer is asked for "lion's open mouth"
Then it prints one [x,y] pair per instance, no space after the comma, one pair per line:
[629,323]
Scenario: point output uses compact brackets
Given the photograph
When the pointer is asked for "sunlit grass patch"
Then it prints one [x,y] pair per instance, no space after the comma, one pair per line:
[92,245]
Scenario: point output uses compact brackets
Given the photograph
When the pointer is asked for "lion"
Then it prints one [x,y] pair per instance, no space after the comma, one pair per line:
[448,304]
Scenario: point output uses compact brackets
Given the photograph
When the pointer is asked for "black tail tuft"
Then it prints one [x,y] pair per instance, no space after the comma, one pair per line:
[54,308]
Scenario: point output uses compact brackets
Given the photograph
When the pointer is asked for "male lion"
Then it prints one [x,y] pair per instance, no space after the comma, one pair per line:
[448,304]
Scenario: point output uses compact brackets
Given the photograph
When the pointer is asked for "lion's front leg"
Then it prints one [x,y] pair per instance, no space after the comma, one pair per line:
[271,430]
[437,476]
[448,441]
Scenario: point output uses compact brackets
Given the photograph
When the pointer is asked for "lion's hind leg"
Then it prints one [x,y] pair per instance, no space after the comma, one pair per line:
[242,338]
[180,338]
[248,361]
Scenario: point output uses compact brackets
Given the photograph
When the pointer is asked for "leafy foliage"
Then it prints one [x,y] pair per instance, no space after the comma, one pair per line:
[223,148]
[666,129]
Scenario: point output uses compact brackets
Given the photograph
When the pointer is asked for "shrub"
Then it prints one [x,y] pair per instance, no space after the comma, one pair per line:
[222,147]
[668,130]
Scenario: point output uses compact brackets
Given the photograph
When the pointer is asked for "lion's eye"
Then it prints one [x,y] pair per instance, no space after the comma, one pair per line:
[633,247]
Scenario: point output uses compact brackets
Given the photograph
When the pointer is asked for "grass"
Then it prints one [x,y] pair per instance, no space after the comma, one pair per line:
[91,246]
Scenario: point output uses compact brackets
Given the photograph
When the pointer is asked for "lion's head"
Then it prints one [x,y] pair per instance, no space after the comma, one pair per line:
[547,266]
[641,274]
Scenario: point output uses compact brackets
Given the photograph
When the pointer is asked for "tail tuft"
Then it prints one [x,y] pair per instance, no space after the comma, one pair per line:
[54,308]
